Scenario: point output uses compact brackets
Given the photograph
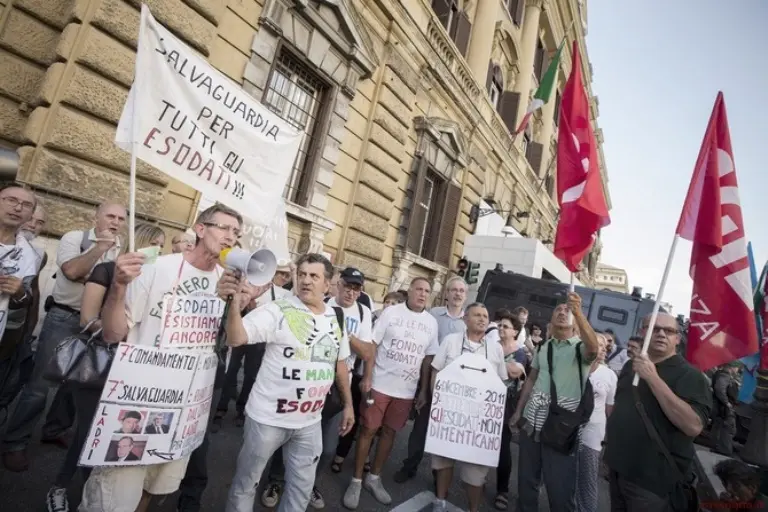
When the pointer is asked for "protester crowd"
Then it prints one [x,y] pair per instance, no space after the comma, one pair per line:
[570,399]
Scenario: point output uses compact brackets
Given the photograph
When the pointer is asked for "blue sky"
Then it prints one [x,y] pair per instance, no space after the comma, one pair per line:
[658,66]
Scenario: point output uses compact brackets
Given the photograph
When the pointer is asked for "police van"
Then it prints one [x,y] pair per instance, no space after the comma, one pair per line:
[620,312]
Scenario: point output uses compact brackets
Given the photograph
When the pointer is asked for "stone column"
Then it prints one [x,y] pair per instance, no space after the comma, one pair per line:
[528,40]
[481,40]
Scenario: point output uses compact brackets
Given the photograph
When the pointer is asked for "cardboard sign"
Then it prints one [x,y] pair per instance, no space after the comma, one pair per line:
[467,413]
[154,407]
[197,126]
[190,321]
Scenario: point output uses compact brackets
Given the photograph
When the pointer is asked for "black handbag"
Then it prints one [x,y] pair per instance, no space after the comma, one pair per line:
[684,497]
[83,359]
[561,428]
[333,401]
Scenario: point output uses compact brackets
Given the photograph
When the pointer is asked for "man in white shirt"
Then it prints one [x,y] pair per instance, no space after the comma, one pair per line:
[137,310]
[357,325]
[450,320]
[78,253]
[453,346]
[306,349]
[616,357]
[406,340]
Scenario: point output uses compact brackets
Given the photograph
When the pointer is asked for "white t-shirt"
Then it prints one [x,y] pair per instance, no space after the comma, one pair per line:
[353,325]
[196,314]
[19,260]
[299,364]
[456,344]
[403,338]
[603,381]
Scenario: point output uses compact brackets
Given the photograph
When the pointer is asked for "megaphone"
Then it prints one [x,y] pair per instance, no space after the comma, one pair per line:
[258,267]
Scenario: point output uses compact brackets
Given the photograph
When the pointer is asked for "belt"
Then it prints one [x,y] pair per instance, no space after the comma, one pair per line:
[69,309]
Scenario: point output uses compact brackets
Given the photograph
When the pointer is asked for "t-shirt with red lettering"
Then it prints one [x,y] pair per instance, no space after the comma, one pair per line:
[299,364]
[403,338]
[194,318]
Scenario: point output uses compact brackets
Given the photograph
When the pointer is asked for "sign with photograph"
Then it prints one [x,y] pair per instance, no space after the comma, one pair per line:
[154,407]
[467,413]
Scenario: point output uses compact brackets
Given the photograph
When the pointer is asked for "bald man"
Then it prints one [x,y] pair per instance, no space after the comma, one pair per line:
[79,251]
[676,399]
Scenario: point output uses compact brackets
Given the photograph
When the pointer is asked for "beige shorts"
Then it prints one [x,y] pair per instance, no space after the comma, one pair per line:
[471,474]
[119,489]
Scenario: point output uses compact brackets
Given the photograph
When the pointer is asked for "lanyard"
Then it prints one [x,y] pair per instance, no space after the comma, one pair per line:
[465,347]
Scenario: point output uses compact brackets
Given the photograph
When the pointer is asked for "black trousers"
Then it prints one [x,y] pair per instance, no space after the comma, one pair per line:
[248,357]
[418,438]
[504,470]
[345,442]
[86,403]
[536,462]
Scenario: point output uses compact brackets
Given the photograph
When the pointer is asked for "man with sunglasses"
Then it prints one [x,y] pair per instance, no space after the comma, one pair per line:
[664,413]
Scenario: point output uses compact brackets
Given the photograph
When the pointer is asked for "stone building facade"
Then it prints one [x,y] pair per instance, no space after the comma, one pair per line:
[406,108]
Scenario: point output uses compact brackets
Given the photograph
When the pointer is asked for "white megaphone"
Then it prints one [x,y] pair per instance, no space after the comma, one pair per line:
[258,267]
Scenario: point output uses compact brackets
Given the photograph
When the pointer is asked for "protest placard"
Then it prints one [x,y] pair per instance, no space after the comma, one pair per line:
[196,125]
[154,407]
[467,413]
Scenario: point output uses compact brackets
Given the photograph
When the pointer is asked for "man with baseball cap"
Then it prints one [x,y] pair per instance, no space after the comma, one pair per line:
[358,327]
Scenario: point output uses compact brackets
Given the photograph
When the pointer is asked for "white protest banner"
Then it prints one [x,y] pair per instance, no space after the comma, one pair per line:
[257,235]
[194,124]
[154,407]
[467,413]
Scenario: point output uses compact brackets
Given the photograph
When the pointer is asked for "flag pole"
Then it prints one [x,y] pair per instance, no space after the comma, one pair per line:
[571,289]
[134,139]
[657,304]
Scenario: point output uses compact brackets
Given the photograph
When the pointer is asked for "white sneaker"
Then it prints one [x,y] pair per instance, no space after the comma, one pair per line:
[352,495]
[374,486]
[316,500]
[57,500]
[271,496]
[439,506]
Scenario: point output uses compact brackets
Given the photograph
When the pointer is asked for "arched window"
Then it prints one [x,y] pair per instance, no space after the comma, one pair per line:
[495,84]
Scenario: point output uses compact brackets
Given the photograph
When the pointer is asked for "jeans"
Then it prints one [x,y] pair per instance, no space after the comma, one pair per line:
[418,438]
[345,442]
[196,478]
[277,468]
[301,449]
[58,324]
[628,497]
[536,460]
[86,404]
[723,430]
[587,481]
[252,356]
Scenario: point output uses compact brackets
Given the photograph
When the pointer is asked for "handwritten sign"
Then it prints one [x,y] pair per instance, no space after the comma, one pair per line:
[467,413]
[154,407]
[190,321]
[194,124]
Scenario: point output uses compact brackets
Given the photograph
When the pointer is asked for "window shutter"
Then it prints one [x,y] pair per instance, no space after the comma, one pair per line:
[517,11]
[508,109]
[442,10]
[489,77]
[463,28]
[534,154]
[538,61]
[451,209]
[557,108]
[418,216]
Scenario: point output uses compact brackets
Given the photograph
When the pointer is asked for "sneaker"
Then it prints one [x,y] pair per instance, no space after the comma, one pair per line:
[271,496]
[374,486]
[352,495]
[439,506]
[57,500]
[316,499]
[402,475]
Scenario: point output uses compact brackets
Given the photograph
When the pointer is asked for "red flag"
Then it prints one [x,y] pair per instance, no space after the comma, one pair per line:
[583,210]
[722,327]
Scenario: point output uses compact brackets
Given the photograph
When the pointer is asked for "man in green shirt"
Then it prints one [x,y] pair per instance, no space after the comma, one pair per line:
[677,400]
[537,460]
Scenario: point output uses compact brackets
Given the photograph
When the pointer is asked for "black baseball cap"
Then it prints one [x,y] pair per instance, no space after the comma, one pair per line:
[351,275]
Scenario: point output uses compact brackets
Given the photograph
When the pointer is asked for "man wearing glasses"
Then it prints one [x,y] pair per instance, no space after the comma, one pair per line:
[677,400]
[182,243]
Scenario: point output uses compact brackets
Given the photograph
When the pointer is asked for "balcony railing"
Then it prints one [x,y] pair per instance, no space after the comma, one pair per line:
[451,58]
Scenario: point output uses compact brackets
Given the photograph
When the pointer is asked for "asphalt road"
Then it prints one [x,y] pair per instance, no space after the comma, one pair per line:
[25,492]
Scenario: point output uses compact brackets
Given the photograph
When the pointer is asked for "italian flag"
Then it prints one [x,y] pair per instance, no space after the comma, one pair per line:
[544,92]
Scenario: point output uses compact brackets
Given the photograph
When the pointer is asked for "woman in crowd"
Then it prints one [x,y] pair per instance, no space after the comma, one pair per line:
[516,359]
[604,382]
[87,400]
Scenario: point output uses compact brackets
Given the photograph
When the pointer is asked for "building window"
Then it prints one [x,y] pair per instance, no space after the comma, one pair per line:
[526,142]
[296,95]
[558,99]
[495,85]
[515,8]
[538,60]
[455,21]
[495,95]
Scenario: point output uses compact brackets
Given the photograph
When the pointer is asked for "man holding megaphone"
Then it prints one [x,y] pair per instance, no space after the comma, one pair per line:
[305,353]
[142,307]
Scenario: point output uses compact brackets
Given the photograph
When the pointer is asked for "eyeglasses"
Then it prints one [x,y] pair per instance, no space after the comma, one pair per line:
[669,331]
[14,202]
[224,227]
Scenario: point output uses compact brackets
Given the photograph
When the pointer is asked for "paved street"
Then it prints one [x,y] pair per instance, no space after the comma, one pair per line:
[25,492]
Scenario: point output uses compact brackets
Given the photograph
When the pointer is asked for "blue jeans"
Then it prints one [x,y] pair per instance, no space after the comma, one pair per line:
[58,324]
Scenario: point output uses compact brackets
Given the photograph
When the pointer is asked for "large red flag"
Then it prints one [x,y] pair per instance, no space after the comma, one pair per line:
[722,327]
[583,210]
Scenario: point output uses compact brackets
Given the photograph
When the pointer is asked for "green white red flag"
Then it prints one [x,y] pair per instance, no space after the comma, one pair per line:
[544,92]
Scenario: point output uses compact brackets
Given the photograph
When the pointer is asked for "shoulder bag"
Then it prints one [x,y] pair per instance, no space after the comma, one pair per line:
[684,497]
[83,359]
[561,428]
[333,402]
